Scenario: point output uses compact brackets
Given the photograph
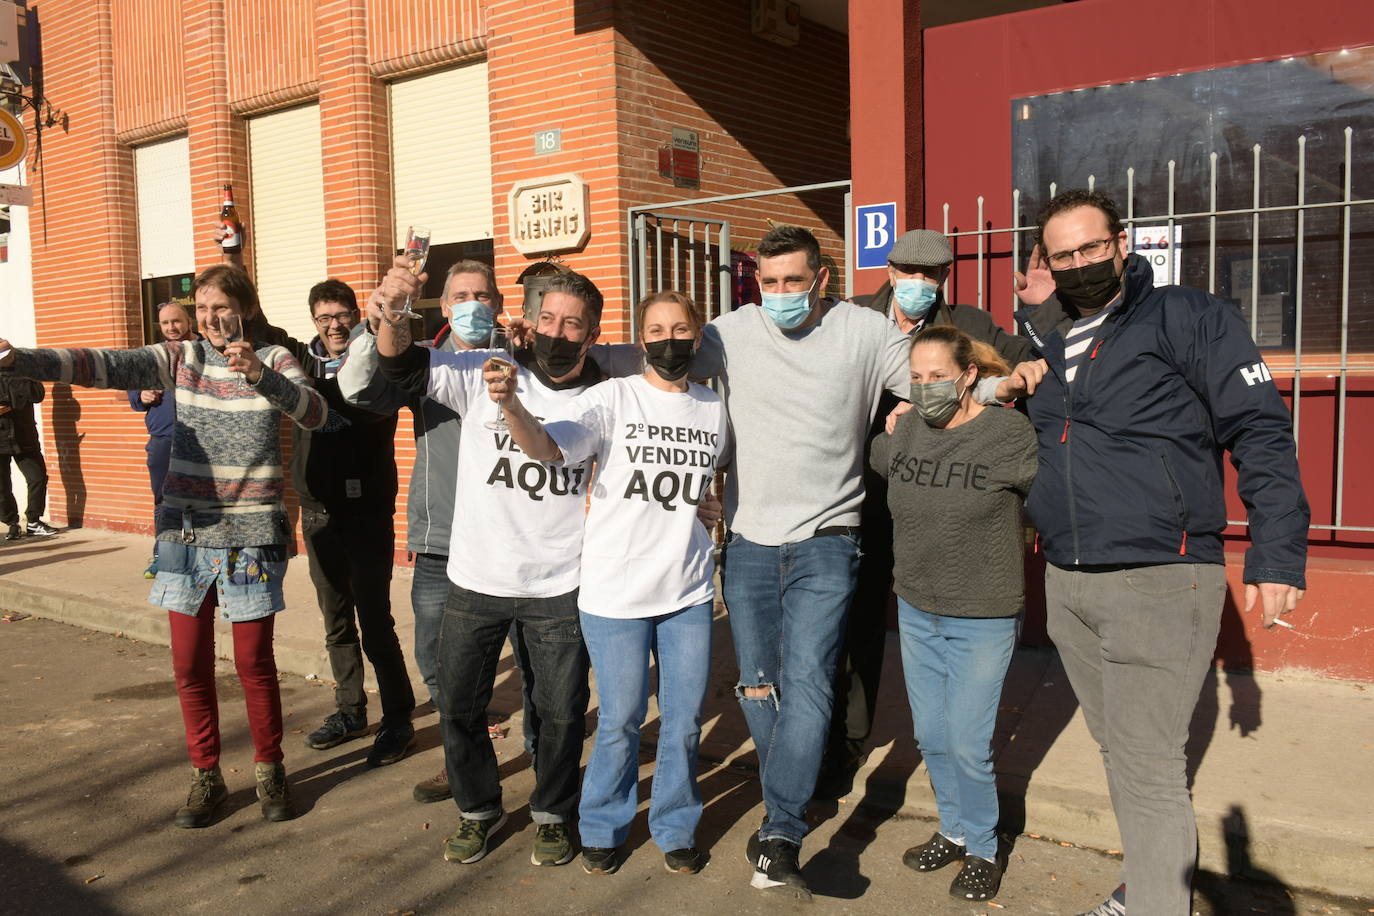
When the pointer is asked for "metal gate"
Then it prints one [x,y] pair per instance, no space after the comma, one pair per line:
[1339,365]
[675,246]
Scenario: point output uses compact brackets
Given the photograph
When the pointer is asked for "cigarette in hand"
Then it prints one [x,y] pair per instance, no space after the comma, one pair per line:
[1279,621]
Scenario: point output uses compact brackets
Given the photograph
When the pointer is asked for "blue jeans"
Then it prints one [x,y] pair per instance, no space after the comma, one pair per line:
[954,670]
[787,611]
[469,648]
[681,646]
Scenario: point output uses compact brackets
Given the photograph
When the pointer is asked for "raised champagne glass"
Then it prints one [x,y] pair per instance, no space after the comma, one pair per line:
[502,340]
[417,252]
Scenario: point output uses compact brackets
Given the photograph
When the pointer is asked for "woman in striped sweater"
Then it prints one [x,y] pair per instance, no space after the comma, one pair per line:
[222,525]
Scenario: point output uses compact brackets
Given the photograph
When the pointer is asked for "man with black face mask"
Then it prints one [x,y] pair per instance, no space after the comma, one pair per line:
[1146,388]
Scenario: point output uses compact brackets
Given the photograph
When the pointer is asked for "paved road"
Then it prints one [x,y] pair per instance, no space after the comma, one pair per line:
[93,766]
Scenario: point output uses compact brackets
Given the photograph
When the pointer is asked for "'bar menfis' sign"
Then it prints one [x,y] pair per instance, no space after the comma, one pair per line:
[550,214]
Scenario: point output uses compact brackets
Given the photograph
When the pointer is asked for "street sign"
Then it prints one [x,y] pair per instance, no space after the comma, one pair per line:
[14,195]
[1152,243]
[875,229]
[13,142]
[549,140]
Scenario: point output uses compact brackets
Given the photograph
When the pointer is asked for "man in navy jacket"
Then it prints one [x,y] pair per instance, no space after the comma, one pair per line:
[1144,389]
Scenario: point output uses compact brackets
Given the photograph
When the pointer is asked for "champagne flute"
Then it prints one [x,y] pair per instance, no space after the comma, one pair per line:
[230,326]
[502,340]
[417,252]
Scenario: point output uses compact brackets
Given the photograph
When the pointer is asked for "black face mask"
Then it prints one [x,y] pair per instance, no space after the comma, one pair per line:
[1087,288]
[557,356]
[670,357]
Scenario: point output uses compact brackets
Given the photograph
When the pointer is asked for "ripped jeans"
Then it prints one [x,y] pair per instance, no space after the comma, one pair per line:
[787,610]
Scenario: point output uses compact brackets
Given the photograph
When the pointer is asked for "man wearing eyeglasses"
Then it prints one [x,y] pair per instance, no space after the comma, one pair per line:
[1146,388]
[345,474]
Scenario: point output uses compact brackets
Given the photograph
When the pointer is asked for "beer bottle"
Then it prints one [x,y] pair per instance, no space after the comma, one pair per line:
[229,218]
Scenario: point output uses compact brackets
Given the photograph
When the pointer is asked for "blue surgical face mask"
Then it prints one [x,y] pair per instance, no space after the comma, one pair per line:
[789,309]
[472,322]
[915,297]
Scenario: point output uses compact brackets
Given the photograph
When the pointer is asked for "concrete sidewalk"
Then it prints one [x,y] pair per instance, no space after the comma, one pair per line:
[1283,763]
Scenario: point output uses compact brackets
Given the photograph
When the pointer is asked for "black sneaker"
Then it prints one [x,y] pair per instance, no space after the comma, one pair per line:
[600,860]
[338,727]
[434,789]
[208,792]
[40,529]
[14,533]
[685,861]
[776,869]
[391,744]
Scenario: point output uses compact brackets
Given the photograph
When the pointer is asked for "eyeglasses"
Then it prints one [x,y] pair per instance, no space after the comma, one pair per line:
[1091,251]
[325,321]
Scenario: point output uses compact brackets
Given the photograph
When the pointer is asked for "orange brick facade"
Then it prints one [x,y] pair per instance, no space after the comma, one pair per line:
[615,76]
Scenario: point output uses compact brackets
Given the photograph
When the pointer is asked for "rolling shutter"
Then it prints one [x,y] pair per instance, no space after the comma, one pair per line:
[288,223]
[162,182]
[441,155]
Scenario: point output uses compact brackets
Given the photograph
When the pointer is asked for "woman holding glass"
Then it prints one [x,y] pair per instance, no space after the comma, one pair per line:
[646,573]
[957,475]
[222,528]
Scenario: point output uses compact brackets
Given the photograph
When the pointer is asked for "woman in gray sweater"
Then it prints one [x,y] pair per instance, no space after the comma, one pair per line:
[957,475]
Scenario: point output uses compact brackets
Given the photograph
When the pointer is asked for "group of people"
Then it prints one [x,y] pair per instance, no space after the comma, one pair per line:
[562,498]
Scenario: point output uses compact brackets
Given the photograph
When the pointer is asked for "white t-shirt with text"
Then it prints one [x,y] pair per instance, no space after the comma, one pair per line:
[517,523]
[644,552]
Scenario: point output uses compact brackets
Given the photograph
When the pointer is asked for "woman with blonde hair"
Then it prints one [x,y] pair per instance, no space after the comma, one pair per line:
[958,473]
[647,572]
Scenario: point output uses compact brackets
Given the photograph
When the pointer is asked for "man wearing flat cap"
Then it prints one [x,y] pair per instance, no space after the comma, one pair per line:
[912,299]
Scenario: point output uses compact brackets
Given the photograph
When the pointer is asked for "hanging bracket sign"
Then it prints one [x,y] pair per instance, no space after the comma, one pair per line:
[14,143]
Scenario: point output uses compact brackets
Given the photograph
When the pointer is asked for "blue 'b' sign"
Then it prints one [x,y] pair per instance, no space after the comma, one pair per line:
[875,229]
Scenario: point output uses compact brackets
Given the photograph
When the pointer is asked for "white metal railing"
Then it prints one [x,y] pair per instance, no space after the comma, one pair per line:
[1341,367]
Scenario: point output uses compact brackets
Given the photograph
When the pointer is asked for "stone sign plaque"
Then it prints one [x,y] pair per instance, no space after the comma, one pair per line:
[550,214]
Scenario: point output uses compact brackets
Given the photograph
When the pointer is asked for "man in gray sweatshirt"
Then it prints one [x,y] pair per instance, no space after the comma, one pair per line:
[801,376]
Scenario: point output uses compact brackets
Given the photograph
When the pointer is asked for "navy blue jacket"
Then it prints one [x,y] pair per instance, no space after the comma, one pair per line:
[160,417]
[1131,455]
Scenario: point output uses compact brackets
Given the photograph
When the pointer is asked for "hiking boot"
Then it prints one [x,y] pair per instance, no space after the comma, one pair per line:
[553,845]
[936,852]
[41,529]
[14,533]
[469,841]
[1114,905]
[151,571]
[208,792]
[338,727]
[776,869]
[685,861]
[274,795]
[391,744]
[434,789]
[600,860]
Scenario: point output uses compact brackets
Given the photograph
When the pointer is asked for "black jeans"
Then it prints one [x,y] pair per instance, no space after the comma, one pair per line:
[350,564]
[470,638]
[35,471]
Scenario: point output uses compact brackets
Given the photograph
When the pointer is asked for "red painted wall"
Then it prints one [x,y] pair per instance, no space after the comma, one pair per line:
[973,70]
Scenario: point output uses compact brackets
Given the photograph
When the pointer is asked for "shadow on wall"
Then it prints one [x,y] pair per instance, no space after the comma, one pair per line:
[66,411]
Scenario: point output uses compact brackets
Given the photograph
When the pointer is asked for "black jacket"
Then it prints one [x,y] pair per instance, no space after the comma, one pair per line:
[349,466]
[973,321]
[1131,455]
[18,430]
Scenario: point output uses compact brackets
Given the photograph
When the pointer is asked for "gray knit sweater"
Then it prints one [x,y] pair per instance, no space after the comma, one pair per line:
[956,497]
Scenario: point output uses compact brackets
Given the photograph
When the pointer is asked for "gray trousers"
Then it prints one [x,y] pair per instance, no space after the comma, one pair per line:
[1136,644]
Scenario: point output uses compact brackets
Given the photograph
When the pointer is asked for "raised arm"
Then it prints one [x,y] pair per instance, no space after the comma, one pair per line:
[143,367]
[526,431]
[286,388]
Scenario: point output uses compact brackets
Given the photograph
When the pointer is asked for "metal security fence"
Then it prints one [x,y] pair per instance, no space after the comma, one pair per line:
[1334,226]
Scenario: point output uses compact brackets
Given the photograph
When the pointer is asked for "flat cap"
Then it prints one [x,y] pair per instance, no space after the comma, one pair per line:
[921,247]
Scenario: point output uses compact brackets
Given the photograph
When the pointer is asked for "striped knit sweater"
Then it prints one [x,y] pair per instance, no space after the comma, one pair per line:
[224,485]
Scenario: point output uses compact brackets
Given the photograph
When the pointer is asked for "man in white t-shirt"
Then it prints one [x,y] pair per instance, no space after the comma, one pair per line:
[514,556]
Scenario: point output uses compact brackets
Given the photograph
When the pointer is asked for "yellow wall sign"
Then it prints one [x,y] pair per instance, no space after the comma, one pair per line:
[13,142]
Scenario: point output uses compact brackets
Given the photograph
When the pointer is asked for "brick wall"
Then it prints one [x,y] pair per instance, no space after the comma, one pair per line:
[615,76]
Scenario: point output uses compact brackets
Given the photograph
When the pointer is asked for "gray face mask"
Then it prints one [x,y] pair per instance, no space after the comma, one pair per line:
[936,402]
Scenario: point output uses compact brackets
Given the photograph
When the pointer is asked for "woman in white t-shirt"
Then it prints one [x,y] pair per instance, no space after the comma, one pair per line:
[646,583]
